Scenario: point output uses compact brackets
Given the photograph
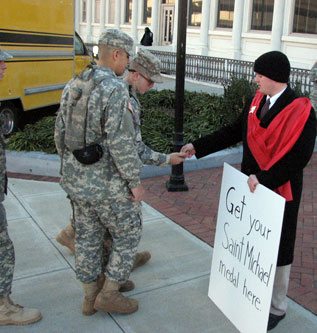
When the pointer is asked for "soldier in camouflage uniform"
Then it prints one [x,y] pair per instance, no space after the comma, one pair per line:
[106,194]
[10,313]
[144,71]
[145,154]
[313,78]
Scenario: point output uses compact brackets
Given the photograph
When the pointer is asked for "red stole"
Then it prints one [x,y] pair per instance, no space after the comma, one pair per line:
[269,145]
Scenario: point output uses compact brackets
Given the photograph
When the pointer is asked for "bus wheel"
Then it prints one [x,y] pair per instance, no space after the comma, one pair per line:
[9,117]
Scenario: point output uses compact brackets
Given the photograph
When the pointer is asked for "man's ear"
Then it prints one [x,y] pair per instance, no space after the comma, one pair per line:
[136,75]
[115,54]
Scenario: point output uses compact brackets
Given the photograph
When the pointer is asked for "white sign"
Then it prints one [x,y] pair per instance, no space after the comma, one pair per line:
[245,251]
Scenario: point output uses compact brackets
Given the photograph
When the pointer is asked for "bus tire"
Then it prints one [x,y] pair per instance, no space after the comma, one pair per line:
[9,117]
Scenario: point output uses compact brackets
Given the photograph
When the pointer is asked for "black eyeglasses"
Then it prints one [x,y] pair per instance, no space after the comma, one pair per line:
[134,71]
[148,80]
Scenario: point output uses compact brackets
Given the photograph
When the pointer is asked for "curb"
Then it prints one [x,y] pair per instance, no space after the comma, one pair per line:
[42,164]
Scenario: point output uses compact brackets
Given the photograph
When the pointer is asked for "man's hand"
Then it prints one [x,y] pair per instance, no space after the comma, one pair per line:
[177,158]
[252,182]
[188,149]
[137,193]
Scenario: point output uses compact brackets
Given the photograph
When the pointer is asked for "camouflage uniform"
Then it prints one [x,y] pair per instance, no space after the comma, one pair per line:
[7,257]
[147,65]
[146,154]
[101,192]
[313,78]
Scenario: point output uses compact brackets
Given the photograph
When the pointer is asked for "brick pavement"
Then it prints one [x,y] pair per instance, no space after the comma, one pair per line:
[196,211]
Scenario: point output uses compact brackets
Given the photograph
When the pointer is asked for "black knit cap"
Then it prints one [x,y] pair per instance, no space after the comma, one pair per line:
[274,65]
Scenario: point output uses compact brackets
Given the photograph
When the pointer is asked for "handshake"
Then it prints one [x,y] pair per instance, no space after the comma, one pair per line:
[187,151]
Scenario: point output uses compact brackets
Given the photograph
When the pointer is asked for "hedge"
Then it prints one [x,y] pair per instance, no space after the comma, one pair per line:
[203,113]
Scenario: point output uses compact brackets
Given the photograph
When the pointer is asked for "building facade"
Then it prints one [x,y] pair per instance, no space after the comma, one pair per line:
[235,29]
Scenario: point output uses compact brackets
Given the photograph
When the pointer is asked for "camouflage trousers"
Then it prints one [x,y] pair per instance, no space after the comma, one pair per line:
[107,241]
[123,220]
[7,257]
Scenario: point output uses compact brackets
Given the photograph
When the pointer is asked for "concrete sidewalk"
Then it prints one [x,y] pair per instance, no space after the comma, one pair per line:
[171,289]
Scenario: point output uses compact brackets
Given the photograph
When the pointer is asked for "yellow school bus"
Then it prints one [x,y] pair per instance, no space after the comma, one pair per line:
[46,51]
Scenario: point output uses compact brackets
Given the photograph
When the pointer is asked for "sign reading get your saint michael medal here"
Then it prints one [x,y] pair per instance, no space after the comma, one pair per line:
[245,251]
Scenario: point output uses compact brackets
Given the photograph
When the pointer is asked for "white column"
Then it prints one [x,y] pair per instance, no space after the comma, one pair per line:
[134,20]
[117,19]
[77,14]
[204,27]
[277,24]
[102,15]
[213,14]
[174,43]
[107,8]
[237,28]
[140,12]
[89,21]
[155,20]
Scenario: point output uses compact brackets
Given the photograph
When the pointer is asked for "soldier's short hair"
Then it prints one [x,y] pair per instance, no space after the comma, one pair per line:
[117,39]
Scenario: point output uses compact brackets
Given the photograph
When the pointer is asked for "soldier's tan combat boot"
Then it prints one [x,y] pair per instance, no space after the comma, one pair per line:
[91,290]
[141,258]
[90,293]
[14,314]
[66,237]
[111,300]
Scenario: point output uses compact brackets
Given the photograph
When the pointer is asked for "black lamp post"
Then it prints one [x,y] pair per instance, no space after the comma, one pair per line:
[176,183]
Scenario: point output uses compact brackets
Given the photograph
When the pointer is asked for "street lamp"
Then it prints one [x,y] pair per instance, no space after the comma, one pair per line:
[176,183]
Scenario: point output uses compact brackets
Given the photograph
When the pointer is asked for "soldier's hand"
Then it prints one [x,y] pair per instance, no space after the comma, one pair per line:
[177,158]
[137,193]
[188,149]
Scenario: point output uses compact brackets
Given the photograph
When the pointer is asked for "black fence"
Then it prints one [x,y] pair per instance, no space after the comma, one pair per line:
[220,70]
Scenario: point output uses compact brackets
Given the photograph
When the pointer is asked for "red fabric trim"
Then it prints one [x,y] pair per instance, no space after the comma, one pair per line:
[269,145]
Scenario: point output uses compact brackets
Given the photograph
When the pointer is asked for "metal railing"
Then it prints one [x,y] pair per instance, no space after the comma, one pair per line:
[220,70]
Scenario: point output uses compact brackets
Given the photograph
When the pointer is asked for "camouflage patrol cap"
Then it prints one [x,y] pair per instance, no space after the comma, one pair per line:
[4,55]
[147,64]
[118,39]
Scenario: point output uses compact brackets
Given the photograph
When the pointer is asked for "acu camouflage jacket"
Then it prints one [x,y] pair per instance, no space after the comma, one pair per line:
[109,121]
[146,154]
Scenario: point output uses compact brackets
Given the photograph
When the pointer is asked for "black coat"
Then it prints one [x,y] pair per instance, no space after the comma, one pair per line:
[147,39]
[290,167]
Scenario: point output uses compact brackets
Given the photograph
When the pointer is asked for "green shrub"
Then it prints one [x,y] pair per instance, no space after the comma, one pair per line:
[35,137]
[164,98]
[237,93]
[157,129]
[203,114]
